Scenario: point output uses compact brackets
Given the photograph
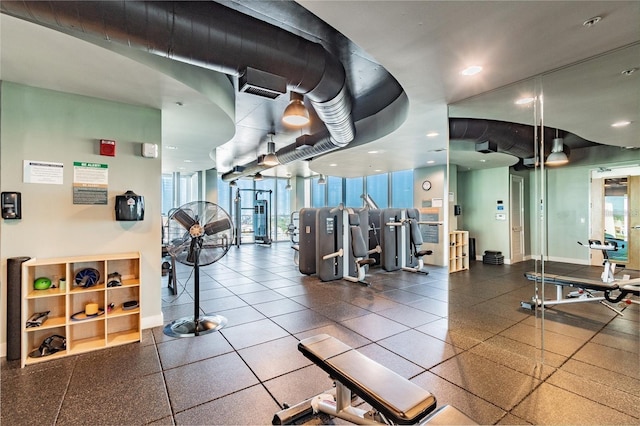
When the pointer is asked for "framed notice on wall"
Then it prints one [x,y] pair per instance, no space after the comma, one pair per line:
[90,183]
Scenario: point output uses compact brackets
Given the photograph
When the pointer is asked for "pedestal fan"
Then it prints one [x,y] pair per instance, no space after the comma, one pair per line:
[200,233]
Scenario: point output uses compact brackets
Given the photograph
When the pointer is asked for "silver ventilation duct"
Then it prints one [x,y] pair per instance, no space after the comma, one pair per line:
[215,37]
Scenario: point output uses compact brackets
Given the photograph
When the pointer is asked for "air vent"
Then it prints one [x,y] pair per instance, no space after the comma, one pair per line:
[261,83]
[486,147]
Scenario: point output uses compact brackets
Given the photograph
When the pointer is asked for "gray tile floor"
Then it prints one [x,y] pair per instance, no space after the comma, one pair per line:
[461,336]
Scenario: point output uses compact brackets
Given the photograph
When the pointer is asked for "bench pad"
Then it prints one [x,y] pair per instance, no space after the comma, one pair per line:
[399,399]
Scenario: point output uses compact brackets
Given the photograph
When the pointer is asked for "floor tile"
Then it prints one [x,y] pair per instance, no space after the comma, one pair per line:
[233,409]
[203,381]
[374,326]
[551,405]
[186,350]
[423,350]
[274,358]
[253,333]
[490,381]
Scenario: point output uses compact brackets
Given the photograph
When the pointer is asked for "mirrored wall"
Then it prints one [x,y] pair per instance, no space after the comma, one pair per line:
[548,174]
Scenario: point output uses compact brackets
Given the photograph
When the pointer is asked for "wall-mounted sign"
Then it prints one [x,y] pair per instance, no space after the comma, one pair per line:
[90,183]
[42,172]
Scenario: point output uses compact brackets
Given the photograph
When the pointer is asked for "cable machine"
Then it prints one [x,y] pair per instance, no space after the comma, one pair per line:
[260,214]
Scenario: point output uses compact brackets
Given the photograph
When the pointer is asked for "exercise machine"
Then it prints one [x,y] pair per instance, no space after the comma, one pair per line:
[293,230]
[307,241]
[412,254]
[613,290]
[330,243]
[260,216]
[392,239]
[393,398]
[356,269]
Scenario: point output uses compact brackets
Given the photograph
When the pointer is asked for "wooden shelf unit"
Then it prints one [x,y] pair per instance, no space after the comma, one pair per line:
[458,251]
[114,327]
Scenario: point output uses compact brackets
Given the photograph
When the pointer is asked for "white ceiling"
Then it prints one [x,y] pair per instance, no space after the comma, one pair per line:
[423,44]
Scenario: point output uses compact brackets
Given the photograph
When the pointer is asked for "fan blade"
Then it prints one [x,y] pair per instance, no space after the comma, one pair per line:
[184,219]
[217,226]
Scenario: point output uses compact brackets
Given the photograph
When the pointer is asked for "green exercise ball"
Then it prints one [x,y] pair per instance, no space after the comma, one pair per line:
[42,283]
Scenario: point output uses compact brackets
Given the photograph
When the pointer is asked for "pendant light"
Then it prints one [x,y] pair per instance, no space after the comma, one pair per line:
[295,114]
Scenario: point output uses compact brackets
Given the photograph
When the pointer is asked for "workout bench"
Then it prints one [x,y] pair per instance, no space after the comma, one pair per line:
[394,399]
[613,292]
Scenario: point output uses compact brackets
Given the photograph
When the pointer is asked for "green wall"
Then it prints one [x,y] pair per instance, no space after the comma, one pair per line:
[478,193]
[49,126]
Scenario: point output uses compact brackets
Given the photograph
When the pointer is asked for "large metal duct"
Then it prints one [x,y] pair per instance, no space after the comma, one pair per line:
[511,138]
[212,36]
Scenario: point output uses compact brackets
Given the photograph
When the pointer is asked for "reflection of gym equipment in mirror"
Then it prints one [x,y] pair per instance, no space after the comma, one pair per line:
[258,215]
[613,290]
[293,231]
[200,233]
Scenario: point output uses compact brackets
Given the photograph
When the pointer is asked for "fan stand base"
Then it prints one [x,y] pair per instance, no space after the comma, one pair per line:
[188,327]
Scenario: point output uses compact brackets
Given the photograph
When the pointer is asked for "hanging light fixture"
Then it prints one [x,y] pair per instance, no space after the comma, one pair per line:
[322,181]
[270,159]
[295,114]
[557,156]
[288,187]
[258,177]
[233,184]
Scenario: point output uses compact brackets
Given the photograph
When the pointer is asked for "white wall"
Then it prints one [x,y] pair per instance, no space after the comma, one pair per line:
[50,126]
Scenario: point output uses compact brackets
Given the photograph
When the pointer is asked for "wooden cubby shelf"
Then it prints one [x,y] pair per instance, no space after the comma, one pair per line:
[112,327]
[458,251]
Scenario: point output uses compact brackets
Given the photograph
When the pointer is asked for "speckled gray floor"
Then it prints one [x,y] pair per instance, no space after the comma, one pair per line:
[462,336]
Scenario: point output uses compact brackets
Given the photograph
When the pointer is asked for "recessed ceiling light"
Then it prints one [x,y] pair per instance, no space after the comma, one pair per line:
[377,170]
[591,22]
[333,165]
[483,161]
[472,70]
[179,103]
[372,152]
[621,124]
[629,71]
[430,161]
[187,161]
[525,100]
[432,134]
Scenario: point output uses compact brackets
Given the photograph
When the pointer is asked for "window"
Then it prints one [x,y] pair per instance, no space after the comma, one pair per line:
[378,189]
[224,195]
[318,193]
[354,188]
[282,210]
[402,189]
[334,191]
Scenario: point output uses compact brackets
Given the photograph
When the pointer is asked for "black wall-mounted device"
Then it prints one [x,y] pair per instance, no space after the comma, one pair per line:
[129,206]
[11,205]
[457,210]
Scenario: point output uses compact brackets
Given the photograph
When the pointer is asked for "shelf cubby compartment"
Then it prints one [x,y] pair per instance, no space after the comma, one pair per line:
[55,304]
[76,267]
[34,338]
[123,329]
[87,335]
[127,268]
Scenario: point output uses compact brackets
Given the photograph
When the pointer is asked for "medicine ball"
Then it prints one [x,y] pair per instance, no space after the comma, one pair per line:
[42,283]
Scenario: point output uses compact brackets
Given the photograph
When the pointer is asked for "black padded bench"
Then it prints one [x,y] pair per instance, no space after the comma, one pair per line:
[398,400]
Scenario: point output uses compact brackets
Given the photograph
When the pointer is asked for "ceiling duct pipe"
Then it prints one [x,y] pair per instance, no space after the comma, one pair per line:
[304,148]
[212,36]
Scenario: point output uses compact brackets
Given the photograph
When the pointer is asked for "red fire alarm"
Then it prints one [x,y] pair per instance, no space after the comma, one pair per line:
[107,147]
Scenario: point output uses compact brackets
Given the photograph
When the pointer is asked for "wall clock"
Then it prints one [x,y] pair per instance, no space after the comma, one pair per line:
[426,185]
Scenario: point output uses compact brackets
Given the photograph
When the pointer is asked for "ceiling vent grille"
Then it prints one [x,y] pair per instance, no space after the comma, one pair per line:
[261,83]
